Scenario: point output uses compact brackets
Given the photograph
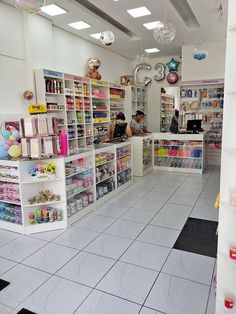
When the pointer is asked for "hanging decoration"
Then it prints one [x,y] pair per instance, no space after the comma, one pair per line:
[28,95]
[172,78]
[160,67]
[173,65]
[199,53]
[147,80]
[107,38]
[30,6]
[93,64]
[165,32]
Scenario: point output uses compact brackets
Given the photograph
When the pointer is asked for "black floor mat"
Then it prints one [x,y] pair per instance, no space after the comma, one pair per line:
[198,236]
[3,284]
[24,311]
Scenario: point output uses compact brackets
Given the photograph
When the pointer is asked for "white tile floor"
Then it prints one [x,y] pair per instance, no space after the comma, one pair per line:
[119,259]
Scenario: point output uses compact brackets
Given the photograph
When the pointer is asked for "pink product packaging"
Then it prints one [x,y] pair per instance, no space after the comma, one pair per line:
[64,143]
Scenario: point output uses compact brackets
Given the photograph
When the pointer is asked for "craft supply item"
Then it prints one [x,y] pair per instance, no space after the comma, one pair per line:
[35,148]
[90,197]
[64,143]
[31,218]
[38,214]
[79,203]
[232,253]
[45,215]
[29,127]
[51,216]
[48,146]
[84,199]
[229,301]
[73,207]
[59,215]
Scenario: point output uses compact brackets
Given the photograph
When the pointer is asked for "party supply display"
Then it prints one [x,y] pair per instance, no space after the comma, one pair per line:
[167,111]
[8,173]
[104,188]
[79,202]
[124,177]
[146,80]
[44,215]
[178,154]
[10,192]
[102,158]
[10,213]
[93,64]
[43,171]
[10,144]
[160,69]
[107,38]
[80,182]
[173,65]
[172,78]
[44,197]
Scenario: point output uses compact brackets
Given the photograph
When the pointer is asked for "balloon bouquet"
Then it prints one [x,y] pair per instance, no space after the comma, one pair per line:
[10,143]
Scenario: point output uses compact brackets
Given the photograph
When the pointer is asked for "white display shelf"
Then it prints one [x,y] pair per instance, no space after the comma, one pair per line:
[139,145]
[43,204]
[76,193]
[123,170]
[175,169]
[9,180]
[10,202]
[104,163]
[124,156]
[49,226]
[76,173]
[178,157]
[11,226]
[42,181]
[227,258]
[105,179]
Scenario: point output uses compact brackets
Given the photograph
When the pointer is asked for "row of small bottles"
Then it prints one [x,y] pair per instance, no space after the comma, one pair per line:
[54,86]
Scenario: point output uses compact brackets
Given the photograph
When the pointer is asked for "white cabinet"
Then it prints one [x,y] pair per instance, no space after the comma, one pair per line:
[142,155]
[31,204]
[167,112]
[136,99]
[226,267]
[179,152]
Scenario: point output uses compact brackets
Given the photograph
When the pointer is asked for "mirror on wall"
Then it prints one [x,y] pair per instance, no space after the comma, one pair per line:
[170,98]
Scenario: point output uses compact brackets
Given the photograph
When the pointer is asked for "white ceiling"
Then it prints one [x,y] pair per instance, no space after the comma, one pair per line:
[211,28]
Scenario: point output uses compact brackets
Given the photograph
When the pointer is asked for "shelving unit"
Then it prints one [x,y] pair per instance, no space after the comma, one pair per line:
[124,171]
[167,112]
[136,99]
[16,218]
[117,99]
[226,272]
[185,154]
[143,155]
[205,102]
[83,106]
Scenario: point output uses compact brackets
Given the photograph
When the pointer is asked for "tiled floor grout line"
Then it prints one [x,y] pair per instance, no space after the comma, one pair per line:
[208,299]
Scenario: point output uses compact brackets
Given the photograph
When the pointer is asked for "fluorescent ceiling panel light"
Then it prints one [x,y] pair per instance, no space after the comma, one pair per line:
[80,25]
[53,9]
[153,25]
[96,36]
[152,50]
[137,12]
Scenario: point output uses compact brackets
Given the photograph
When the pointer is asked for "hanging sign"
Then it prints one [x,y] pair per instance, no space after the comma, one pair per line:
[37,108]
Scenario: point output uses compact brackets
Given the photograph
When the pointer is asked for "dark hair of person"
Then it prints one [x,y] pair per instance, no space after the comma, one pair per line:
[120,116]
[177,113]
[139,113]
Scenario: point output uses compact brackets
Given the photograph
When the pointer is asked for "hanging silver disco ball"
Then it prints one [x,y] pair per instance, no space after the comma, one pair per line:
[165,32]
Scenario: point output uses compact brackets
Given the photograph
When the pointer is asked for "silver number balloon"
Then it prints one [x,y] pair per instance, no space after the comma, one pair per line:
[160,67]
[137,69]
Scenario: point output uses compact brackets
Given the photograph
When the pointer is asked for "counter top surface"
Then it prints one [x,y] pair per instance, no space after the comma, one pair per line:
[179,136]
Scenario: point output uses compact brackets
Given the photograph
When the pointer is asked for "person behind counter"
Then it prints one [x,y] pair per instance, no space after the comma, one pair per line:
[174,126]
[119,119]
[136,124]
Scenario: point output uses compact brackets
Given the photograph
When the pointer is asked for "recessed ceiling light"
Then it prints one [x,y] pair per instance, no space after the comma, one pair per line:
[152,50]
[79,25]
[96,35]
[142,11]
[153,25]
[53,9]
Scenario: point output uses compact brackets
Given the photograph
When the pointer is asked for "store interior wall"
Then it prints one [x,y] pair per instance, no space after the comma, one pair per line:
[213,67]
[31,41]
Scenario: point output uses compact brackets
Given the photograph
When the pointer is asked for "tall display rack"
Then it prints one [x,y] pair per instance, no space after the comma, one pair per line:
[167,111]
[136,99]
[204,100]
[226,264]
[84,106]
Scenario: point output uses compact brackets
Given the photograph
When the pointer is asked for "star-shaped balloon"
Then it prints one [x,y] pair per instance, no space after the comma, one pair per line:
[173,65]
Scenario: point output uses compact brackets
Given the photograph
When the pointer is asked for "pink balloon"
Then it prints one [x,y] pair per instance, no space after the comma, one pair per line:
[172,77]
